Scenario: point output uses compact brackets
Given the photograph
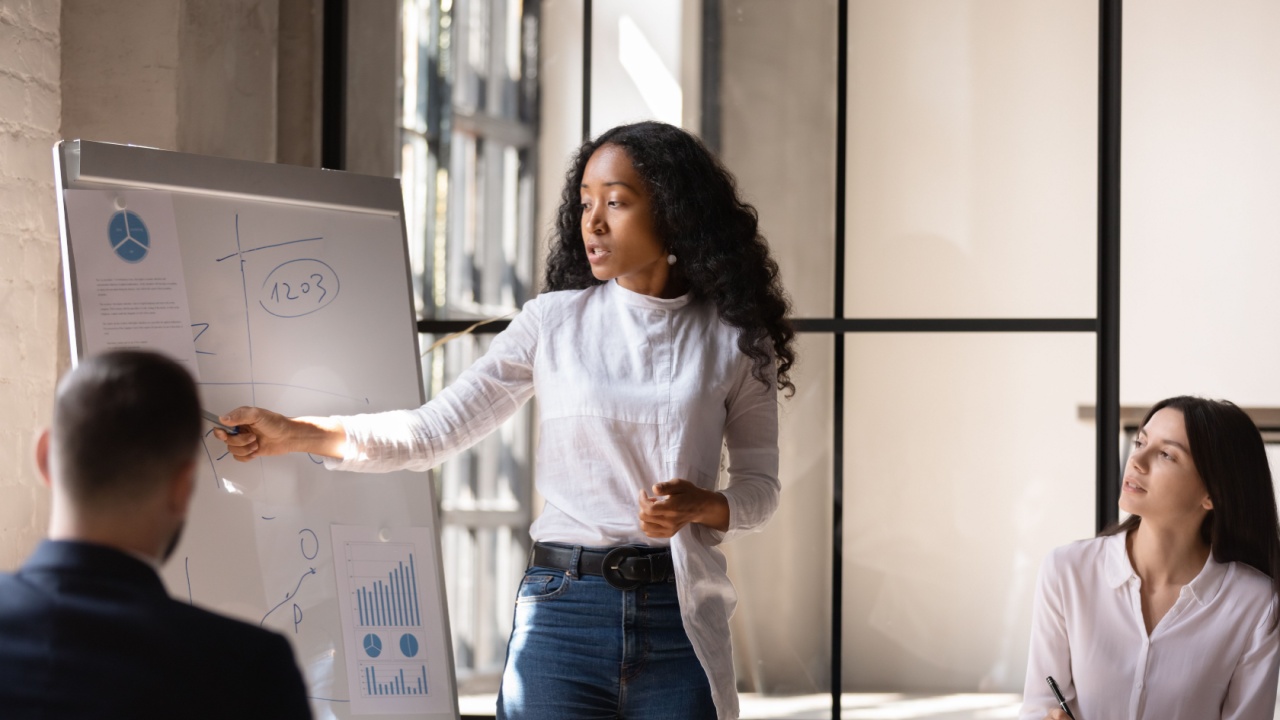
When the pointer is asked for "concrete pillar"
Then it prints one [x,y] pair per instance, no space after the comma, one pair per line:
[372,94]
[300,89]
[30,327]
[227,78]
[195,76]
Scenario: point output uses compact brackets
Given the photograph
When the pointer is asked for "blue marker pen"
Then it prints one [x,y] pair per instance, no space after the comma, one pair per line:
[218,423]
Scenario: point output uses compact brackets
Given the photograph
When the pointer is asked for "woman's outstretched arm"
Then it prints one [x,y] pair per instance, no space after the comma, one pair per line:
[263,433]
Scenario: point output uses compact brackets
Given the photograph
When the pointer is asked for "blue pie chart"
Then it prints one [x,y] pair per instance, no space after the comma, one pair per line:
[408,645]
[373,645]
[129,238]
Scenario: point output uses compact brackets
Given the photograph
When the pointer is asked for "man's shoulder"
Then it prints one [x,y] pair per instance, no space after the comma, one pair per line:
[218,627]
[111,635]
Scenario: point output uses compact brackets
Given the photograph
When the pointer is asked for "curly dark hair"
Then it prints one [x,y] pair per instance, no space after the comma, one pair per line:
[723,258]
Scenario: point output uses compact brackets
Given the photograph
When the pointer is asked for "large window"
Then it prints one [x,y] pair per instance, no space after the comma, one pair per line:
[932,179]
[468,162]
[928,175]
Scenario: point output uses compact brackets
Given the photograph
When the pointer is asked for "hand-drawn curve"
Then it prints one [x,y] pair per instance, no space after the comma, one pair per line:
[288,596]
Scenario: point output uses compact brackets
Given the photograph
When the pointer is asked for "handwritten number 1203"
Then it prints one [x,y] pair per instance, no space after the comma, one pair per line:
[305,289]
[299,287]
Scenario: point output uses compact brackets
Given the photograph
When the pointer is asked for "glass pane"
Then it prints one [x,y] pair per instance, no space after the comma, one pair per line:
[488,259]
[636,63]
[495,474]
[1199,156]
[782,627]
[783,152]
[469,98]
[472,36]
[965,463]
[972,158]
[484,501]
[417,175]
[426,71]
[489,35]
[481,597]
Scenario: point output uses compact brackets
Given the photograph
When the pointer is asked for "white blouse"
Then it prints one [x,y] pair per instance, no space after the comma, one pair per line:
[1213,655]
[632,390]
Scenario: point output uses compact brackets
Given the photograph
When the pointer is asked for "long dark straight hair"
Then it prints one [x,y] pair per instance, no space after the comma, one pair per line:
[1227,450]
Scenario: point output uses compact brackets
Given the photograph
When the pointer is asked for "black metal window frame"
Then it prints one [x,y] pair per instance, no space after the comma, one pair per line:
[1106,324]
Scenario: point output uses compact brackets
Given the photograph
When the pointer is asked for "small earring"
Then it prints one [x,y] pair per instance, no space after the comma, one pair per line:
[671,259]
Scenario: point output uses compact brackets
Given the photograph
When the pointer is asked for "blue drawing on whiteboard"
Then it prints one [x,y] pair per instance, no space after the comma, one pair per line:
[129,238]
[265,247]
[204,327]
[298,287]
[315,542]
[204,441]
[318,391]
[288,596]
[408,645]
[373,645]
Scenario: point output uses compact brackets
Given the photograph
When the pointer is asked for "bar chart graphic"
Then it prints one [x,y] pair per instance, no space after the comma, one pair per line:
[384,578]
[393,624]
[389,679]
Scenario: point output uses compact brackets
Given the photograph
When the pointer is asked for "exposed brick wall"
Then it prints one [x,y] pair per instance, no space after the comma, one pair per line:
[30,327]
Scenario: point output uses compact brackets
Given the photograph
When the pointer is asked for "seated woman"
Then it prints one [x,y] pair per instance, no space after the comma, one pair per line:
[1172,613]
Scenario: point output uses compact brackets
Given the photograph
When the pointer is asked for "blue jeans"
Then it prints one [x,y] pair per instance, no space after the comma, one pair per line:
[582,649]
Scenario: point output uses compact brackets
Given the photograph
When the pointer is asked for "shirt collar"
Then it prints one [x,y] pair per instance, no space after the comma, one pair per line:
[1118,568]
[647,301]
[1204,588]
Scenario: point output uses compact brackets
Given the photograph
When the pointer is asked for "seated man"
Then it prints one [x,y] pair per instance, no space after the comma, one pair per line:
[86,627]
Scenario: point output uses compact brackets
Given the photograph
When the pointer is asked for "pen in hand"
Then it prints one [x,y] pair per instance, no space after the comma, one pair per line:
[216,422]
[1062,703]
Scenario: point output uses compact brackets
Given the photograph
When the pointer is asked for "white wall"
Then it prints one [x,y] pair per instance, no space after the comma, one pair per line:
[1200,301]
[972,159]
[778,135]
[30,326]
[972,186]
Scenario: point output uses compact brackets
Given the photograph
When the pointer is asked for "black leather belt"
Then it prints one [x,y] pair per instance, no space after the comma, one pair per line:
[625,567]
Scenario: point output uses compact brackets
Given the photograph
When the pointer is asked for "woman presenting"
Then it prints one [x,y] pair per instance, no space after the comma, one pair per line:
[661,337]
[1171,614]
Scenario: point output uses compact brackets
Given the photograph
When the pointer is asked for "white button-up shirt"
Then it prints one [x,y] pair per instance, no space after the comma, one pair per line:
[1213,655]
[632,390]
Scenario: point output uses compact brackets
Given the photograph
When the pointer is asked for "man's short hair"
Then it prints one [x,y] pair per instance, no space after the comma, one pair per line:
[123,423]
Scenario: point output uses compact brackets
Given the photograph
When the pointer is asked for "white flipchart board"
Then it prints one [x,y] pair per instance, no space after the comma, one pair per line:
[298,290]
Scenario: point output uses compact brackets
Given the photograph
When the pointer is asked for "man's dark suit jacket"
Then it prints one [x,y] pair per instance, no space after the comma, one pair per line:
[87,631]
